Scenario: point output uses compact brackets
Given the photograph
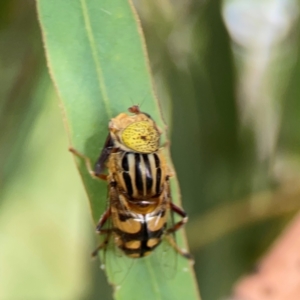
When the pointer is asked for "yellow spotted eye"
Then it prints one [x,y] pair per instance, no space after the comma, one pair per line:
[141,137]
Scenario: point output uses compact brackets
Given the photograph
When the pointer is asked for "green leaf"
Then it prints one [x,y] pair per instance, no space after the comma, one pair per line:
[97,60]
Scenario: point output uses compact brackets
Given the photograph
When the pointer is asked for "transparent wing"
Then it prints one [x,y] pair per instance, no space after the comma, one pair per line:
[164,255]
[115,263]
[169,257]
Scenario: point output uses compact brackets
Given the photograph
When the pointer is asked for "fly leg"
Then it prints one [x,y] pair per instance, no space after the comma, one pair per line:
[102,221]
[101,231]
[180,251]
[174,228]
[88,164]
[179,211]
[104,244]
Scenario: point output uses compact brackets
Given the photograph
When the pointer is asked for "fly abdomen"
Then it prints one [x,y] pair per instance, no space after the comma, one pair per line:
[138,235]
[139,245]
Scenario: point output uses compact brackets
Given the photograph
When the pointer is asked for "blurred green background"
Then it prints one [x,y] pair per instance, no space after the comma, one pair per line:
[226,73]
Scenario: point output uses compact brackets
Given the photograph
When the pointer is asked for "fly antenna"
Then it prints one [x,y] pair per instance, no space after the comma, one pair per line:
[132,103]
[135,108]
[144,98]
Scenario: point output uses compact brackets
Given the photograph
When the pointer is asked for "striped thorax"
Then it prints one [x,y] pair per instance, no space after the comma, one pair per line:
[138,176]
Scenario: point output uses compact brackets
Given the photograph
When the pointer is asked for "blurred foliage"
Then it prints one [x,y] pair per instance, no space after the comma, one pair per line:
[21,66]
[231,102]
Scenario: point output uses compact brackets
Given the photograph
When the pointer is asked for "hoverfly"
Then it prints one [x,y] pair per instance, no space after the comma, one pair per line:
[138,187]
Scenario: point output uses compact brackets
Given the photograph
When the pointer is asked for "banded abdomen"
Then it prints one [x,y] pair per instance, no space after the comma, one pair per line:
[139,176]
[137,235]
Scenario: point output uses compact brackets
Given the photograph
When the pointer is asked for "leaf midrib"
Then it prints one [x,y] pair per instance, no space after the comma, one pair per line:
[92,43]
